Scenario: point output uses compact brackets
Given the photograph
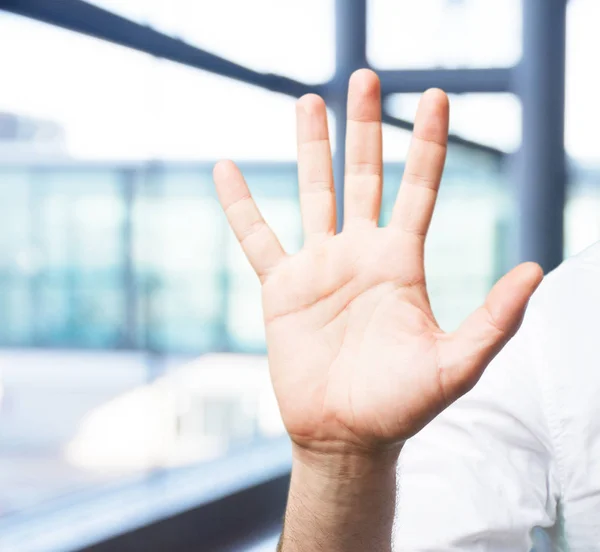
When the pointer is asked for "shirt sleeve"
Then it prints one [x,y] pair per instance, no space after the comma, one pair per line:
[480,476]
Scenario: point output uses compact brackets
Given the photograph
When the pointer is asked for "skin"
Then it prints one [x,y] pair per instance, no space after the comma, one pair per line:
[357,360]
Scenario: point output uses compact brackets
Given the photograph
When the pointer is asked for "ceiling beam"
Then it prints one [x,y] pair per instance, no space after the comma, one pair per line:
[457,81]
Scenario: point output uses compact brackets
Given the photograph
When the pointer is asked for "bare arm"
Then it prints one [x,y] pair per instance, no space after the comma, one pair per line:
[344,503]
[358,361]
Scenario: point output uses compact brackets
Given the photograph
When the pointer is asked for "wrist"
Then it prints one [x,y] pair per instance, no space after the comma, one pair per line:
[333,481]
[340,498]
[345,463]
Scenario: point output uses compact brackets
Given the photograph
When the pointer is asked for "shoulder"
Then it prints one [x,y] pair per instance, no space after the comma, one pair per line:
[566,311]
[575,282]
[562,314]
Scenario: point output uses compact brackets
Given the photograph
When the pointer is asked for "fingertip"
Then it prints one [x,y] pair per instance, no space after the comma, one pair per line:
[437,97]
[226,178]
[510,295]
[531,274]
[364,96]
[534,268]
[432,118]
[223,168]
[311,119]
[311,104]
[364,81]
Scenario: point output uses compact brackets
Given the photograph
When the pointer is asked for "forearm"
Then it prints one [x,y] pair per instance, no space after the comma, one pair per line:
[342,503]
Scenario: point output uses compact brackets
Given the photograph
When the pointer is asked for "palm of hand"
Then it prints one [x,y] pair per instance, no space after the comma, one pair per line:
[355,353]
[352,341]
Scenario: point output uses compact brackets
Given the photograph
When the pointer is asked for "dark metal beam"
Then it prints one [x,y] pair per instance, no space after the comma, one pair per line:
[451,80]
[541,162]
[128,190]
[81,17]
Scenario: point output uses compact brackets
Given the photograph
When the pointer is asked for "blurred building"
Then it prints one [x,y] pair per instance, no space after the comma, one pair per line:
[194,413]
[27,138]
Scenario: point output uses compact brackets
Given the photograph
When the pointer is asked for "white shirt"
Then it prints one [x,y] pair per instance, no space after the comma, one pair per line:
[515,463]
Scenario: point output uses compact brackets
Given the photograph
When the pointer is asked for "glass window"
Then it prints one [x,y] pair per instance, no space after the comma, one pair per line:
[229,28]
[403,34]
[79,219]
[178,238]
[199,116]
[19,258]
[582,109]
[125,105]
[101,113]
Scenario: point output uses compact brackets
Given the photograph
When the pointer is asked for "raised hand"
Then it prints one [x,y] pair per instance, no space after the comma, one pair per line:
[357,358]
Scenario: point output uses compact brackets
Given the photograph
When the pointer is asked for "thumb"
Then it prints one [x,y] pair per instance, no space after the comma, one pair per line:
[464,354]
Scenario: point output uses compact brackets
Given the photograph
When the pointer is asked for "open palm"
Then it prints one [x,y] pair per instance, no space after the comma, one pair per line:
[356,355]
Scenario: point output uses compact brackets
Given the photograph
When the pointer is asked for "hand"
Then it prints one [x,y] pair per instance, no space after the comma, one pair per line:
[357,359]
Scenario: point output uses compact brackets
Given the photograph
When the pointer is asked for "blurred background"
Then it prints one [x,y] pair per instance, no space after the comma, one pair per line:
[135,406]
